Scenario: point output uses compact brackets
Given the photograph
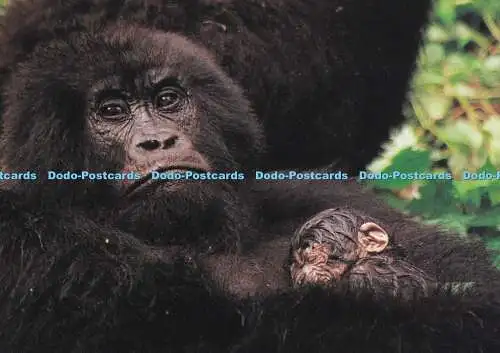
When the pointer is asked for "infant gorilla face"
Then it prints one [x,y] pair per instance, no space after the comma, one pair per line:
[330,243]
[341,244]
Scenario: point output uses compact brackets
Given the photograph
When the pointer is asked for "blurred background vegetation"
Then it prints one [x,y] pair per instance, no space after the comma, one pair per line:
[453,114]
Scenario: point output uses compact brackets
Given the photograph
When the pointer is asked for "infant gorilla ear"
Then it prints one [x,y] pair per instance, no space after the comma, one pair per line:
[341,244]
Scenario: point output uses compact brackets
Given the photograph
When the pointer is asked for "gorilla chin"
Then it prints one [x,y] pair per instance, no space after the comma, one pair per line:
[149,181]
[217,206]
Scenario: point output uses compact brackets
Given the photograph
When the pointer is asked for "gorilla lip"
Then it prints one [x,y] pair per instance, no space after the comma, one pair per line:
[147,179]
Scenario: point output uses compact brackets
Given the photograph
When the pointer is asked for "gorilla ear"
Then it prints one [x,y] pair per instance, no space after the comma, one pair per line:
[372,237]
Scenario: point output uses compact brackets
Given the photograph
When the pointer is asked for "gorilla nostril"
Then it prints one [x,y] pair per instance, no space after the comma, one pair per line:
[170,142]
[149,145]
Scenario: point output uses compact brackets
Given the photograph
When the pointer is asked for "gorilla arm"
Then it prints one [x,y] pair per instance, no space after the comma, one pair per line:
[344,321]
[90,288]
[439,253]
[67,279]
[317,321]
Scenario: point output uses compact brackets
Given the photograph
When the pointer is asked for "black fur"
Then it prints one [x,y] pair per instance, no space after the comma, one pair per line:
[84,270]
[327,78]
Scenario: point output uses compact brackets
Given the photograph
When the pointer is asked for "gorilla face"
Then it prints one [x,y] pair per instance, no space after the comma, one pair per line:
[133,100]
[153,122]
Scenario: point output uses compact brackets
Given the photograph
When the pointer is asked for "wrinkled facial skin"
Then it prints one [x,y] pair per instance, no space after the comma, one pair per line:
[314,265]
[154,125]
[170,117]
[131,99]
[340,244]
[322,262]
[323,249]
[126,99]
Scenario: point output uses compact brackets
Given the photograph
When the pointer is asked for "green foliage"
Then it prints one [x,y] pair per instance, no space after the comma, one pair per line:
[454,125]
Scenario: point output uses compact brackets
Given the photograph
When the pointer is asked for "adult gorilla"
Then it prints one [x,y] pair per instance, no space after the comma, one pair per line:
[326,77]
[144,266]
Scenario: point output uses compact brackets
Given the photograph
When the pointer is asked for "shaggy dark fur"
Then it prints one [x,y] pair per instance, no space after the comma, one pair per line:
[327,78]
[199,267]
[189,267]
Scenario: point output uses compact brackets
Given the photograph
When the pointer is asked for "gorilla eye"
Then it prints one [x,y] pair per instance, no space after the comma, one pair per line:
[169,99]
[113,109]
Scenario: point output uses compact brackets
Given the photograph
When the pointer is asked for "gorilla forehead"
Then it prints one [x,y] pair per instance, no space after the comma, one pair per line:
[137,54]
[54,92]
[151,55]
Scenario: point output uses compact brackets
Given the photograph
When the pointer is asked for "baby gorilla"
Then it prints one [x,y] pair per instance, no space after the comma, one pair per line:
[343,244]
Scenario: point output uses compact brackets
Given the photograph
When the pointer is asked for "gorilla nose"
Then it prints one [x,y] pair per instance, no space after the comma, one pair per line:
[155,144]
[164,149]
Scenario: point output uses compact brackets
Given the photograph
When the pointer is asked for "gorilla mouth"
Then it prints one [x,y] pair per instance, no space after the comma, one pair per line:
[148,180]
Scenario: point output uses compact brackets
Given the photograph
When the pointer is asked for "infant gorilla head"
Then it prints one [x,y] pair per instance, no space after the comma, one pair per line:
[343,244]
[124,100]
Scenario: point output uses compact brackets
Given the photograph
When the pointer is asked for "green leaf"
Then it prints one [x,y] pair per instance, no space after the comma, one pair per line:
[492,64]
[437,106]
[434,53]
[492,128]
[463,135]
[484,177]
[406,161]
[464,34]
[490,71]
[409,160]
[494,194]
[487,6]
[478,158]
[463,90]
[473,199]
[489,218]
[465,188]
[437,34]
[493,243]
[400,139]
[437,198]
[453,221]
[458,162]
[446,11]
[429,78]
[458,62]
